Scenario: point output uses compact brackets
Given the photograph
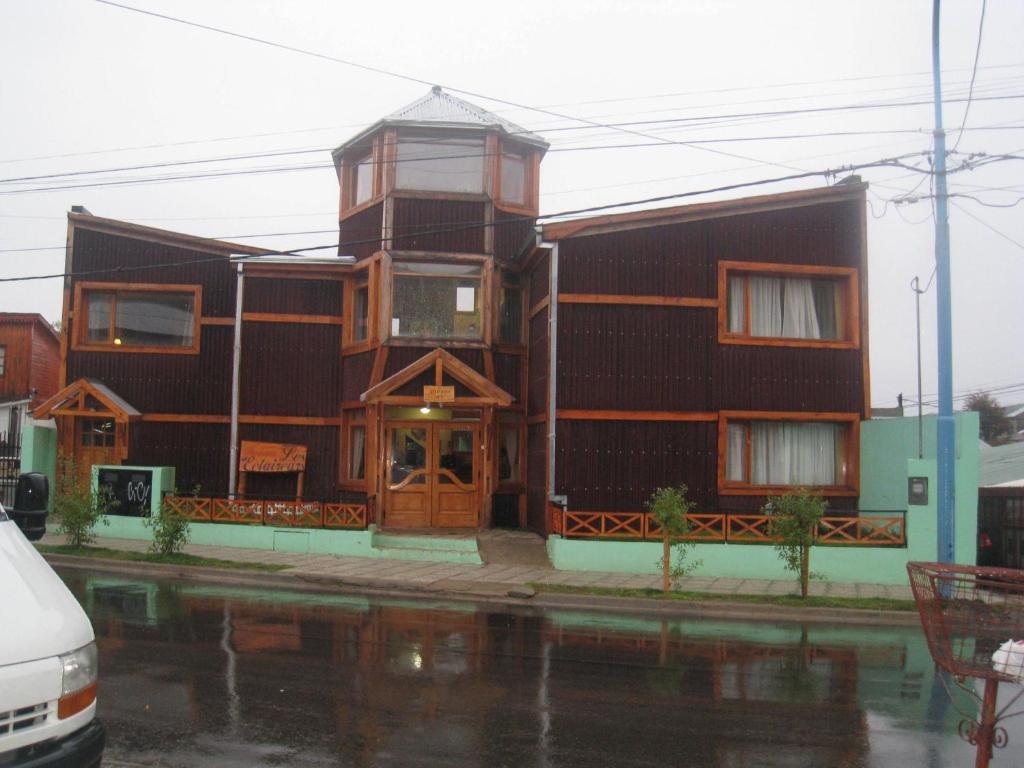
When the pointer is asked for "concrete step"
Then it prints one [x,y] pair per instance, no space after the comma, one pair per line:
[442,549]
[504,547]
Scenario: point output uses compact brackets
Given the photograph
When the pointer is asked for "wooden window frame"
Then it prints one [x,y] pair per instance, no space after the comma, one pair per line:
[500,285]
[348,177]
[851,482]
[509,486]
[430,137]
[387,299]
[366,274]
[353,418]
[851,320]
[531,170]
[82,291]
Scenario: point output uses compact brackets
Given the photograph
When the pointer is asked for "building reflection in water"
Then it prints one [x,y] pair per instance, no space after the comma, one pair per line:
[360,682]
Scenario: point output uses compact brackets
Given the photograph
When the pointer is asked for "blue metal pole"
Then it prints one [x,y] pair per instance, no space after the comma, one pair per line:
[946,448]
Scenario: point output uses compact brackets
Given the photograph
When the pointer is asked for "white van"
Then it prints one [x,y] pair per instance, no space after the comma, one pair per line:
[47,664]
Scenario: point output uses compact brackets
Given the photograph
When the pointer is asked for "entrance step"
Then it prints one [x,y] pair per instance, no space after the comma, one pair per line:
[443,549]
[501,547]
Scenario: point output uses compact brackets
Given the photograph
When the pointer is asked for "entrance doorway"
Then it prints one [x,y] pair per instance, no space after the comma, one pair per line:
[432,474]
[95,443]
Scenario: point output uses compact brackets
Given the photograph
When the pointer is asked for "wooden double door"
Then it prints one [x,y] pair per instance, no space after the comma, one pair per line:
[432,474]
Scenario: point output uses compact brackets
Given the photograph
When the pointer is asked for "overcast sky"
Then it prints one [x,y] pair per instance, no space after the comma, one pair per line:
[88,87]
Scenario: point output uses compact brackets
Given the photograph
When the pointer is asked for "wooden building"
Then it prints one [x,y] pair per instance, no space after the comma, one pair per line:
[456,366]
[29,362]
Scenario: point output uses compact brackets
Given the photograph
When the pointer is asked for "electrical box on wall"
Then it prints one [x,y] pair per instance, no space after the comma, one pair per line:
[917,491]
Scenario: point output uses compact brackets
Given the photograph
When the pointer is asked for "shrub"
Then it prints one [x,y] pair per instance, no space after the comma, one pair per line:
[78,509]
[669,507]
[794,521]
[171,531]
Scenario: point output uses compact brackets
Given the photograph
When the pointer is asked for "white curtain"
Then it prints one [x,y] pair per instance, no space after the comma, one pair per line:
[799,317]
[735,452]
[765,306]
[356,459]
[793,453]
[510,436]
[737,308]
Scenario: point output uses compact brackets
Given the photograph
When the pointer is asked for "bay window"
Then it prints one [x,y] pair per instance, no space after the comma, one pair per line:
[787,305]
[437,301]
[777,451]
[361,178]
[513,178]
[440,165]
[152,318]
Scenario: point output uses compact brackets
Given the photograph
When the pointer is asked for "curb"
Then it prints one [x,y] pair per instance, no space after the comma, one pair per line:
[491,594]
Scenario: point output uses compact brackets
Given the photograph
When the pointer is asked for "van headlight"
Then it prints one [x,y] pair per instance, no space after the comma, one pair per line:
[78,682]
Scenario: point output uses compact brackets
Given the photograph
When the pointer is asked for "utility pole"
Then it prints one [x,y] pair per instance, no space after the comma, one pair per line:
[946,442]
[915,286]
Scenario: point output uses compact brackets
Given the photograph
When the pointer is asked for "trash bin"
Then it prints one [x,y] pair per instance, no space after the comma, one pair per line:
[31,498]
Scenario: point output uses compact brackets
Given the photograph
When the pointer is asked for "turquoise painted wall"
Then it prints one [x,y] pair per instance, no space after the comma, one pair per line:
[888,458]
[314,541]
[39,451]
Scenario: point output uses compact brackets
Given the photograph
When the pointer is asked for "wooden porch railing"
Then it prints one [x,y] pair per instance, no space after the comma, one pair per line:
[290,514]
[874,531]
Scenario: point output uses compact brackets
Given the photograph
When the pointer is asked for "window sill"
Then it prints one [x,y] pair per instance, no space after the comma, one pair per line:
[405,341]
[516,208]
[193,350]
[361,207]
[759,341]
[777,490]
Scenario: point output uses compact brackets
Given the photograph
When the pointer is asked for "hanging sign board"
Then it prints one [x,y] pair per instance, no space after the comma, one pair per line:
[271,457]
[439,394]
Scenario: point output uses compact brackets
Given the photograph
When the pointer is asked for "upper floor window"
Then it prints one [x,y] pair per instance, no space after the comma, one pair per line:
[513,178]
[787,450]
[152,318]
[437,301]
[440,165]
[361,312]
[3,359]
[788,305]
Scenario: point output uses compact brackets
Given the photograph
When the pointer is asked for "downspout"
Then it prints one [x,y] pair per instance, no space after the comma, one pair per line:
[553,374]
[236,364]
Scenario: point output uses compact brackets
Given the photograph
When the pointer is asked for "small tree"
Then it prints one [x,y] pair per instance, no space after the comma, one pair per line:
[669,507]
[77,507]
[995,424]
[794,522]
[171,530]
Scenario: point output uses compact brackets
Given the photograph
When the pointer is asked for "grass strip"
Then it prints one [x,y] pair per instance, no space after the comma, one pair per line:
[180,558]
[792,601]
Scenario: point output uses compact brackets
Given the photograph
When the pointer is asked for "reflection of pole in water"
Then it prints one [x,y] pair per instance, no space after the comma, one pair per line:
[234,704]
[542,703]
[935,717]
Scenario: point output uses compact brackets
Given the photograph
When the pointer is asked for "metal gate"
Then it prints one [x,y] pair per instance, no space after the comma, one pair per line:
[1001,516]
[10,466]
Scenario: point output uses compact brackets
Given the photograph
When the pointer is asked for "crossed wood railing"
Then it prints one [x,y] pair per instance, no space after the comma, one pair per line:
[292,514]
[876,531]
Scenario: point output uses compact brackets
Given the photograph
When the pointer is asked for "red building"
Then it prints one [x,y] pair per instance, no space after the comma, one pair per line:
[29,363]
[457,366]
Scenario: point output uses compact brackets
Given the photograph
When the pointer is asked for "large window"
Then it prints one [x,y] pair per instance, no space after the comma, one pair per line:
[440,165]
[144,318]
[362,174]
[766,453]
[513,178]
[436,301]
[800,306]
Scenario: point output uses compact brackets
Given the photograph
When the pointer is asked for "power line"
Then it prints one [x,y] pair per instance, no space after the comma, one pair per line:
[974,71]
[477,225]
[989,226]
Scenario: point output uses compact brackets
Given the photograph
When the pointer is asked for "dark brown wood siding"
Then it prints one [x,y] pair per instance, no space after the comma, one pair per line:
[511,232]
[536,399]
[290,369]
[449,226]
[198,452]
[508,374]
[360,234]
[296,297]
[355,378]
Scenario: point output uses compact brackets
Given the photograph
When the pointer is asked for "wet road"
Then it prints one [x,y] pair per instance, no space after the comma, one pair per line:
[204,675]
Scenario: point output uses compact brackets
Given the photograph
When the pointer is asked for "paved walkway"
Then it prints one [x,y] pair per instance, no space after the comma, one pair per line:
[494,577]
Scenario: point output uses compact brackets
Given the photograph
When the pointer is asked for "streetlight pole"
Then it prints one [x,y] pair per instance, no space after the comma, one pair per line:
[946,437]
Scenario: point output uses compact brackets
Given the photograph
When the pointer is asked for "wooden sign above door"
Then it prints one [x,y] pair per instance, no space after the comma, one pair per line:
[271,457]
[438,394]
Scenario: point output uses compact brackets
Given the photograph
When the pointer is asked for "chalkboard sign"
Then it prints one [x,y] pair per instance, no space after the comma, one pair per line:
[132,488]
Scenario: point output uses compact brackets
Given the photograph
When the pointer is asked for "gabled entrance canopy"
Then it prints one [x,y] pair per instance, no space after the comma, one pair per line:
[90,398]
[444,365]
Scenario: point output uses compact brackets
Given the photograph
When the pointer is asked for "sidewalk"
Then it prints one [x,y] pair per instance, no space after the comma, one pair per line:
[493,579]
